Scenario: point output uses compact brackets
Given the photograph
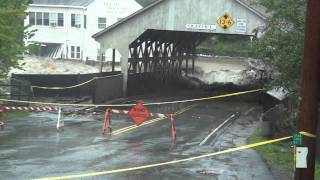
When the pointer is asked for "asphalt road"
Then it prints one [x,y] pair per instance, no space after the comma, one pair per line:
[30,147]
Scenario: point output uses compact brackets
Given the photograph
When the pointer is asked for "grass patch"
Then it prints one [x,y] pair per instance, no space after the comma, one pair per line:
[16,114]
[279,155]
[317,171]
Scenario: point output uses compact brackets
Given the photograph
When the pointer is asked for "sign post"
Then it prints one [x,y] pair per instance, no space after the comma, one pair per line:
[60,122]
[173,129]
[107,122]
[297,139]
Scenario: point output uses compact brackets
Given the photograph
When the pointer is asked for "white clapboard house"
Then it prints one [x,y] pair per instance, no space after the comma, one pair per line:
[65,27]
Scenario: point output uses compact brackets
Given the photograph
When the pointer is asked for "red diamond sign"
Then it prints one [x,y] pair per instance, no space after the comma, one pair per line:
[139,113]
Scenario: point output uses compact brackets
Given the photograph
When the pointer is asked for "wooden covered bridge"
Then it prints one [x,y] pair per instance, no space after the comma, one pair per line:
[163,36]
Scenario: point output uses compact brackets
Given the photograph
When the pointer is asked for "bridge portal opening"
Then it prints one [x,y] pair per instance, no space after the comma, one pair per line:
[162,58]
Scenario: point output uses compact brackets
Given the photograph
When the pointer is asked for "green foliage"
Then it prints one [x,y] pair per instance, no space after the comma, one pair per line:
[282,45]
[317,171]
[226,46]
[12,33]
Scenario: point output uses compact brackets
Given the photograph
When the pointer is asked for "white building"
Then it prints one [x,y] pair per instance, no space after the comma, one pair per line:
[64,27]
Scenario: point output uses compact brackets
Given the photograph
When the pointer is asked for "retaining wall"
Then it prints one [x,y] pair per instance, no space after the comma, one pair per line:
[107,89]
[62,80]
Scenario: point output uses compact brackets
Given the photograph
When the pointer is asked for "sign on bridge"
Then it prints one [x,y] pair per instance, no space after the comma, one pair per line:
[225,21]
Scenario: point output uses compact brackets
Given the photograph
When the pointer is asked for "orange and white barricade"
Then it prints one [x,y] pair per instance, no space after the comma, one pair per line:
[139,114]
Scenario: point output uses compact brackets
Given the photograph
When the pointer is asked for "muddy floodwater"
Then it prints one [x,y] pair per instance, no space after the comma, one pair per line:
[31,147]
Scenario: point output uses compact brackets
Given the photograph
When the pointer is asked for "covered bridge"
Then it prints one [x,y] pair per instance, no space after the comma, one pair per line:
[164,35]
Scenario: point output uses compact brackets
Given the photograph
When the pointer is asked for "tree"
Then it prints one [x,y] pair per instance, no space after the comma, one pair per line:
[12,33]
[282,45]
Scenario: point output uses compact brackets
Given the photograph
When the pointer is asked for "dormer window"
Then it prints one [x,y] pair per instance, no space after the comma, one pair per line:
[76,20]
[102,23]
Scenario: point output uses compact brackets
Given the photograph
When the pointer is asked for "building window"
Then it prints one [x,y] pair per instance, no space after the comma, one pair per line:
[32,18]
[76,20]
[60,19]
[102,23]
[39,18]
[75,52]
[53,19]
[72,51]
[85,21]
[78,52]
[46,19]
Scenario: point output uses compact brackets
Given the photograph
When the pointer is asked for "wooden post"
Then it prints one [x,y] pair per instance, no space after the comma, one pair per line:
[187,64]
[100,59]
[310,87]
[113,59]
[124,70]
[194,50]
[193,59]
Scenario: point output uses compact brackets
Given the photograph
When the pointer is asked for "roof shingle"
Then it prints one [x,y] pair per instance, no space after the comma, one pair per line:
[82,3]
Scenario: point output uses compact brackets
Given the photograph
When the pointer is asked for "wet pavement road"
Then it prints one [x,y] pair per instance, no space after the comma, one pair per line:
[30,147]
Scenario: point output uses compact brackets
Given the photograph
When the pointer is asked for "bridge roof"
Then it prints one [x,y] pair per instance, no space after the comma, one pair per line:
[249,4]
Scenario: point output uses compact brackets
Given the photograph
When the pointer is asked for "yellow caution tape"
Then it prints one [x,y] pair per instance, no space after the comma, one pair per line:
[70,87]
[175,161]
[308,134]
[207,98]
[168,162]
[126,129]
[128,105]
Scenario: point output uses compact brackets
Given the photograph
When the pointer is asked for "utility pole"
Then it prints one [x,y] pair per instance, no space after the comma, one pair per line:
[310,87]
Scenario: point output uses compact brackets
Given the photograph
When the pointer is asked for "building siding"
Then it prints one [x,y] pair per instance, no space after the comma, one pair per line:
[69,36]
